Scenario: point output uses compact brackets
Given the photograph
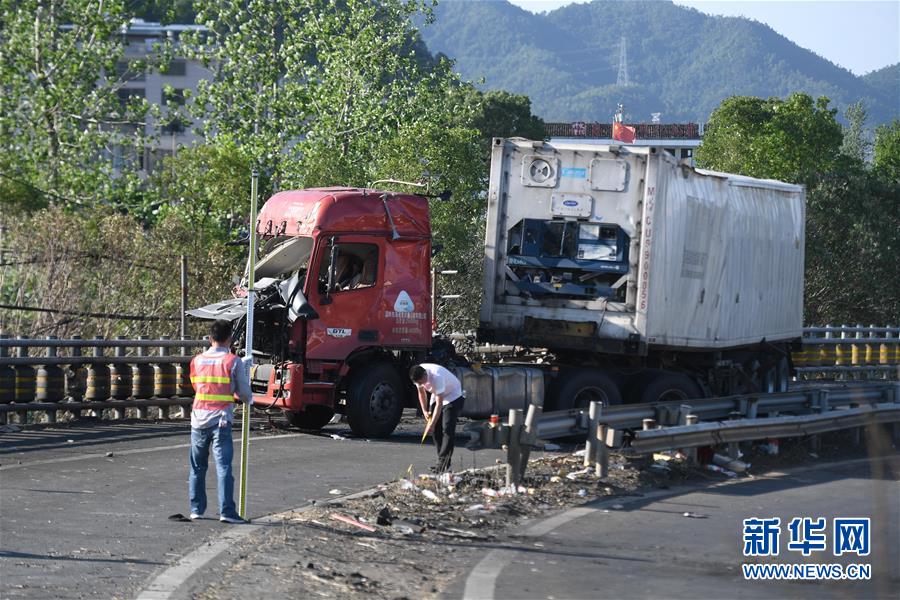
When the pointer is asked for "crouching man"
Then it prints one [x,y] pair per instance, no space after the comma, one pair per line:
[219,378]
[447,401]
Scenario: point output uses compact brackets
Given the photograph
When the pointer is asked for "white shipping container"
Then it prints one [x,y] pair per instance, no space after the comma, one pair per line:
[617,248]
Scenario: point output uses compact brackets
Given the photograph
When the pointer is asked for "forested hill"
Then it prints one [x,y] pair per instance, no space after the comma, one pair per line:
[681,62]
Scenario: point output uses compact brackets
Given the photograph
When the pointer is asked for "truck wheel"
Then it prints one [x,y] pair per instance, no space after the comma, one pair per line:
[671,386]
[375,400]
[577,389]
[314,417]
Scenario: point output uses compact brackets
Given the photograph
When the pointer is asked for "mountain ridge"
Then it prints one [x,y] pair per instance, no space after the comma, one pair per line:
[681,62]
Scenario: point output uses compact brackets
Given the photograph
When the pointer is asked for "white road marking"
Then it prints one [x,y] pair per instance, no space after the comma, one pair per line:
[50,461]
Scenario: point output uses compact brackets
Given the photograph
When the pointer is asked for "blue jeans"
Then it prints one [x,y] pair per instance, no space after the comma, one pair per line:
[220,440]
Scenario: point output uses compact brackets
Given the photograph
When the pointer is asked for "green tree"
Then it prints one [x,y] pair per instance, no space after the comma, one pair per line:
[61,118]
[853,248]
[498,113]
[795,139]
[852,221]
[856,142]
[887,151]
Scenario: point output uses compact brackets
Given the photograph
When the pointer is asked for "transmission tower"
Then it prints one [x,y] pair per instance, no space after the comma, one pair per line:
[622,77]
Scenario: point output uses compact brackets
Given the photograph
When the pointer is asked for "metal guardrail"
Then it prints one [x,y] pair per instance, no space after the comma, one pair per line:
[670,425]
[743,430]
[142,374]
[848,352]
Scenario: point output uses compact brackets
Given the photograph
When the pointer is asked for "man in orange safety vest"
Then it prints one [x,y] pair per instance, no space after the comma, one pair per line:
[219,379]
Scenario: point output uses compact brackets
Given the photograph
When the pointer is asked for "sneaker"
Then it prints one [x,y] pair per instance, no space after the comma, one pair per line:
[195,516]
[233,520]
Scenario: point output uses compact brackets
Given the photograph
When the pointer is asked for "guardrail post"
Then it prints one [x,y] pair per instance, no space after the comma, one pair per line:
[182,370]
[164,376]
[649,424]
[733,448]
[26,383]
[600,429]
[513,446]
[827,352]
[870,358]
[590,446]
[534,413]
[47,375]
[120,380]
[139,372]
[857,353]
[691,453]
[78,380]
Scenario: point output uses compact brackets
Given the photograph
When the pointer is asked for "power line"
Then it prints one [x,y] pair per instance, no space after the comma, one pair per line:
[85,314]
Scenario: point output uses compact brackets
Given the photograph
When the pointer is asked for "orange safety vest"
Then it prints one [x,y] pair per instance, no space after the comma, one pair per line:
[211,378]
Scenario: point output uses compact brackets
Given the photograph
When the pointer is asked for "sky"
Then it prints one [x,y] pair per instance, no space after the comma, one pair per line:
[861,35]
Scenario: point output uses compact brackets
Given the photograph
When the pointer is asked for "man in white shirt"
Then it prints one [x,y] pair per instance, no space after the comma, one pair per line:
[447,399]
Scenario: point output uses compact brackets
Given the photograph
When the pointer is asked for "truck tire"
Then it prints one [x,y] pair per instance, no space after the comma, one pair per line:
[375,399]
[314,417]
[578,388]
[671,386]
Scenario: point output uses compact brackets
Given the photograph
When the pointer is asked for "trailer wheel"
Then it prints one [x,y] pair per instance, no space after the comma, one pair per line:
[314,417]
[375,400]
[578,388]
[671,386]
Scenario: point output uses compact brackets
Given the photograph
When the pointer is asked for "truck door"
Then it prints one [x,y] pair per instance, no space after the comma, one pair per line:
[347,292]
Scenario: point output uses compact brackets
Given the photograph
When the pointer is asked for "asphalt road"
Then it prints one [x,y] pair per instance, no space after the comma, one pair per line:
[76,523]
[647,548]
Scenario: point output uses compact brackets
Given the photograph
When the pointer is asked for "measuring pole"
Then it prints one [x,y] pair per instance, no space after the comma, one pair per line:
[251,299]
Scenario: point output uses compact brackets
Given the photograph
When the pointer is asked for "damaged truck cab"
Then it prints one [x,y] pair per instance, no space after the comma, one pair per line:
[343,284]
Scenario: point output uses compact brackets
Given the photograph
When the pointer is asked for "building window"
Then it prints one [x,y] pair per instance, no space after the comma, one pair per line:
[173,125]
[173,97]
[176,68]
[127,72]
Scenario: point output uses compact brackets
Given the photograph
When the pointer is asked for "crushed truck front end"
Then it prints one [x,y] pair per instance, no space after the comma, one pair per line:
[343,281]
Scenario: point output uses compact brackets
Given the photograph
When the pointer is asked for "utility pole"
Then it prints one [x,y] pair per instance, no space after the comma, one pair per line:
[184,296]
[622,77]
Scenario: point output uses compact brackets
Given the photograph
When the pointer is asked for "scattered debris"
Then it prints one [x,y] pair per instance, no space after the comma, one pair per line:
[737,466]
[582,493]
[693,515]
[334,492]
[336,436]
[351,521]
[576,474]
[109,454]
[770,448]
[431,495]
[718,469]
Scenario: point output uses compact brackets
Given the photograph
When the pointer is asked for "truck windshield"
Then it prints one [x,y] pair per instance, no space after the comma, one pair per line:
[283,255]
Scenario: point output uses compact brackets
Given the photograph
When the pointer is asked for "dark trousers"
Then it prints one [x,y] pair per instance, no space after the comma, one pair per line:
[445,433]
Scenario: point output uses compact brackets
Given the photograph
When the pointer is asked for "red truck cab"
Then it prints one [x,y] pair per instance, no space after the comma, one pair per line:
[343,305]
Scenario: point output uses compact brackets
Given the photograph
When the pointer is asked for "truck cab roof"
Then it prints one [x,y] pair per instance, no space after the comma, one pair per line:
[344,210]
